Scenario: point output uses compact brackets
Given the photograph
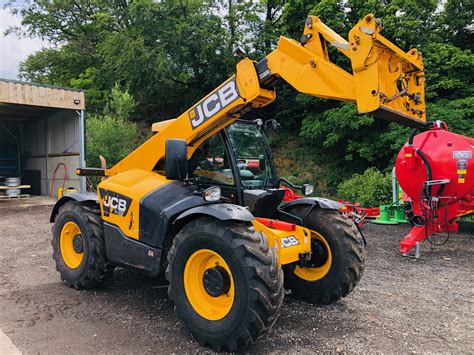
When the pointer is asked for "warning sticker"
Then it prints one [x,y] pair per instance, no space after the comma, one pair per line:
[461,170]
[462,164]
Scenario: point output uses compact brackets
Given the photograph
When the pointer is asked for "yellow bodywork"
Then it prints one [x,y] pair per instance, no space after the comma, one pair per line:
[290,244]
[133,183]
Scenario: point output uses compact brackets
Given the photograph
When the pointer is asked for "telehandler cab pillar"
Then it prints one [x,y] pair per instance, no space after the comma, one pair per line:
[201,200]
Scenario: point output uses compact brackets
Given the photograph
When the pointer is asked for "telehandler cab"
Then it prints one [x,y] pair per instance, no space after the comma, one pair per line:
[201,200]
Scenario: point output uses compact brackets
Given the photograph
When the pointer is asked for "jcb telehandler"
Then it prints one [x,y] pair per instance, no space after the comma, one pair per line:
[201,200]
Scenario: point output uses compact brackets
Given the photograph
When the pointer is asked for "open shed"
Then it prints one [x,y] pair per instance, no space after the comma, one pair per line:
[41,136]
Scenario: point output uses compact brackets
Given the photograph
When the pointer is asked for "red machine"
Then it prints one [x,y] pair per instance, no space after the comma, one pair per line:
[436,170]
[357,212]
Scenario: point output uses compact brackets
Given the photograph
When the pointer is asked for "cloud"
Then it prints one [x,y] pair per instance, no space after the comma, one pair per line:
[14,50]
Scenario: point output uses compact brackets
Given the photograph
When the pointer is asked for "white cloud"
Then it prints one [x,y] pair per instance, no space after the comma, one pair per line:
[14,50]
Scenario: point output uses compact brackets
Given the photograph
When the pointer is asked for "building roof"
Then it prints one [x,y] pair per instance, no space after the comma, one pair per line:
[13,92]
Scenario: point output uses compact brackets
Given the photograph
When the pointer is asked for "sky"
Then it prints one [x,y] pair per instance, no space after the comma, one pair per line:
[13,50]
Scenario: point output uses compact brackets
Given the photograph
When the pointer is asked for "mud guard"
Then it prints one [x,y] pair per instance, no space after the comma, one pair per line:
[314,202]
[311,203]
[221,211]
[321,202]
[74,196]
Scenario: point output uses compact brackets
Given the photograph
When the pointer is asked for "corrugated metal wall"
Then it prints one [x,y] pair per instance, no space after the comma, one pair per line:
[63,137]
[63,133]
[33,140]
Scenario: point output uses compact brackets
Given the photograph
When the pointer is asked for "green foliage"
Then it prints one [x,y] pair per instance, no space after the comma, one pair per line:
[111,137]
[372,188]
[457,23]
[293,163]
[458,114]
[121,104]
[449,71]
[169,54]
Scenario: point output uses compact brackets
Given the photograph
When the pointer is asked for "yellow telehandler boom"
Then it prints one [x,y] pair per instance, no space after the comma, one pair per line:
[386,82]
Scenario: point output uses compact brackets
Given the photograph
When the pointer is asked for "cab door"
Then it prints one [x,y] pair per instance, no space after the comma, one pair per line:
[214,166]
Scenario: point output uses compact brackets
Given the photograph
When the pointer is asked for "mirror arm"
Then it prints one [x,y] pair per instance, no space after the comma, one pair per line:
[289,183]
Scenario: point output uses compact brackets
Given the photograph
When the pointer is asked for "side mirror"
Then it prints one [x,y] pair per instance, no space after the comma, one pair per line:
[176,159]
[307,189]
[272,124]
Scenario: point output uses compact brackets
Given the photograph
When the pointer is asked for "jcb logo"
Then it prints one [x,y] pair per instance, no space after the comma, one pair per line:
[290,241]
[214,103]
[114,202]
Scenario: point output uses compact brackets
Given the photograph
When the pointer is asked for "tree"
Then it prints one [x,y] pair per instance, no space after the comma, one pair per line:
[169,54]
[456,23]
[111,134]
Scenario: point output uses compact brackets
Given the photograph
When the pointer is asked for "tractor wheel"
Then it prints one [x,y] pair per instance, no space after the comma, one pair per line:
[78,246]
[225,283]
[337,262]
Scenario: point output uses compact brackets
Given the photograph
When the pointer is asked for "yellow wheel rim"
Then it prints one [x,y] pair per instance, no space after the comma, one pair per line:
[207,306]
[316,273]
[71,258]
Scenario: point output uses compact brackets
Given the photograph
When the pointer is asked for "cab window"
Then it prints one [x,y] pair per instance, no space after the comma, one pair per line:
[252,155]
[210,163]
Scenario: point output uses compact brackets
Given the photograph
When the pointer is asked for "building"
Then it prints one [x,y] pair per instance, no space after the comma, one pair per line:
[42,136]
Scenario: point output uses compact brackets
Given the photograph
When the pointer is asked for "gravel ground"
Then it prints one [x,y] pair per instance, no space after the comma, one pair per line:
[401,304]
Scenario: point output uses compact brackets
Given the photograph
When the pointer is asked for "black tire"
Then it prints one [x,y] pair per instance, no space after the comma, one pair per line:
[258,282]
[348,257]
[94,267]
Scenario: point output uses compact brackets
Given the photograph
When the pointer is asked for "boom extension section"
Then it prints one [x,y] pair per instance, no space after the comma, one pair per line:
[385,82]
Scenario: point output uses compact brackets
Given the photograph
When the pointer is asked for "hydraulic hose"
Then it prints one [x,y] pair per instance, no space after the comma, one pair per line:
[428,171]
[413,133]
[416,130]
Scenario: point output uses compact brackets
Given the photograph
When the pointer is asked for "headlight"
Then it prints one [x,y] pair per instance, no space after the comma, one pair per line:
[212,194]
[307,189]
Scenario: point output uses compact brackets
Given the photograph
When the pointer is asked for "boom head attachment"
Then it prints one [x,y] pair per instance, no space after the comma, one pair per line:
[388,82]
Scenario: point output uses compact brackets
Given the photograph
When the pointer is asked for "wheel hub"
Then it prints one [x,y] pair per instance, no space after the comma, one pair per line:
[77,243]
[319,254]
[71,245]
[216,281]
[319,264]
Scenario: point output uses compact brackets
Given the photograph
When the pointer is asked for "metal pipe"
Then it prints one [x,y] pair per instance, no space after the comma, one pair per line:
[82,147]
[394,189]
[46,144]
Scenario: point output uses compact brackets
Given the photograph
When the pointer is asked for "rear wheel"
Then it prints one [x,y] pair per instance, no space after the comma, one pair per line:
[337,262]
[224,282]
[78,245]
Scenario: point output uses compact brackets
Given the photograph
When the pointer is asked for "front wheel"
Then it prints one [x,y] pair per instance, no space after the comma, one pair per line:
[79,247]
[337,261]
[224,282]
